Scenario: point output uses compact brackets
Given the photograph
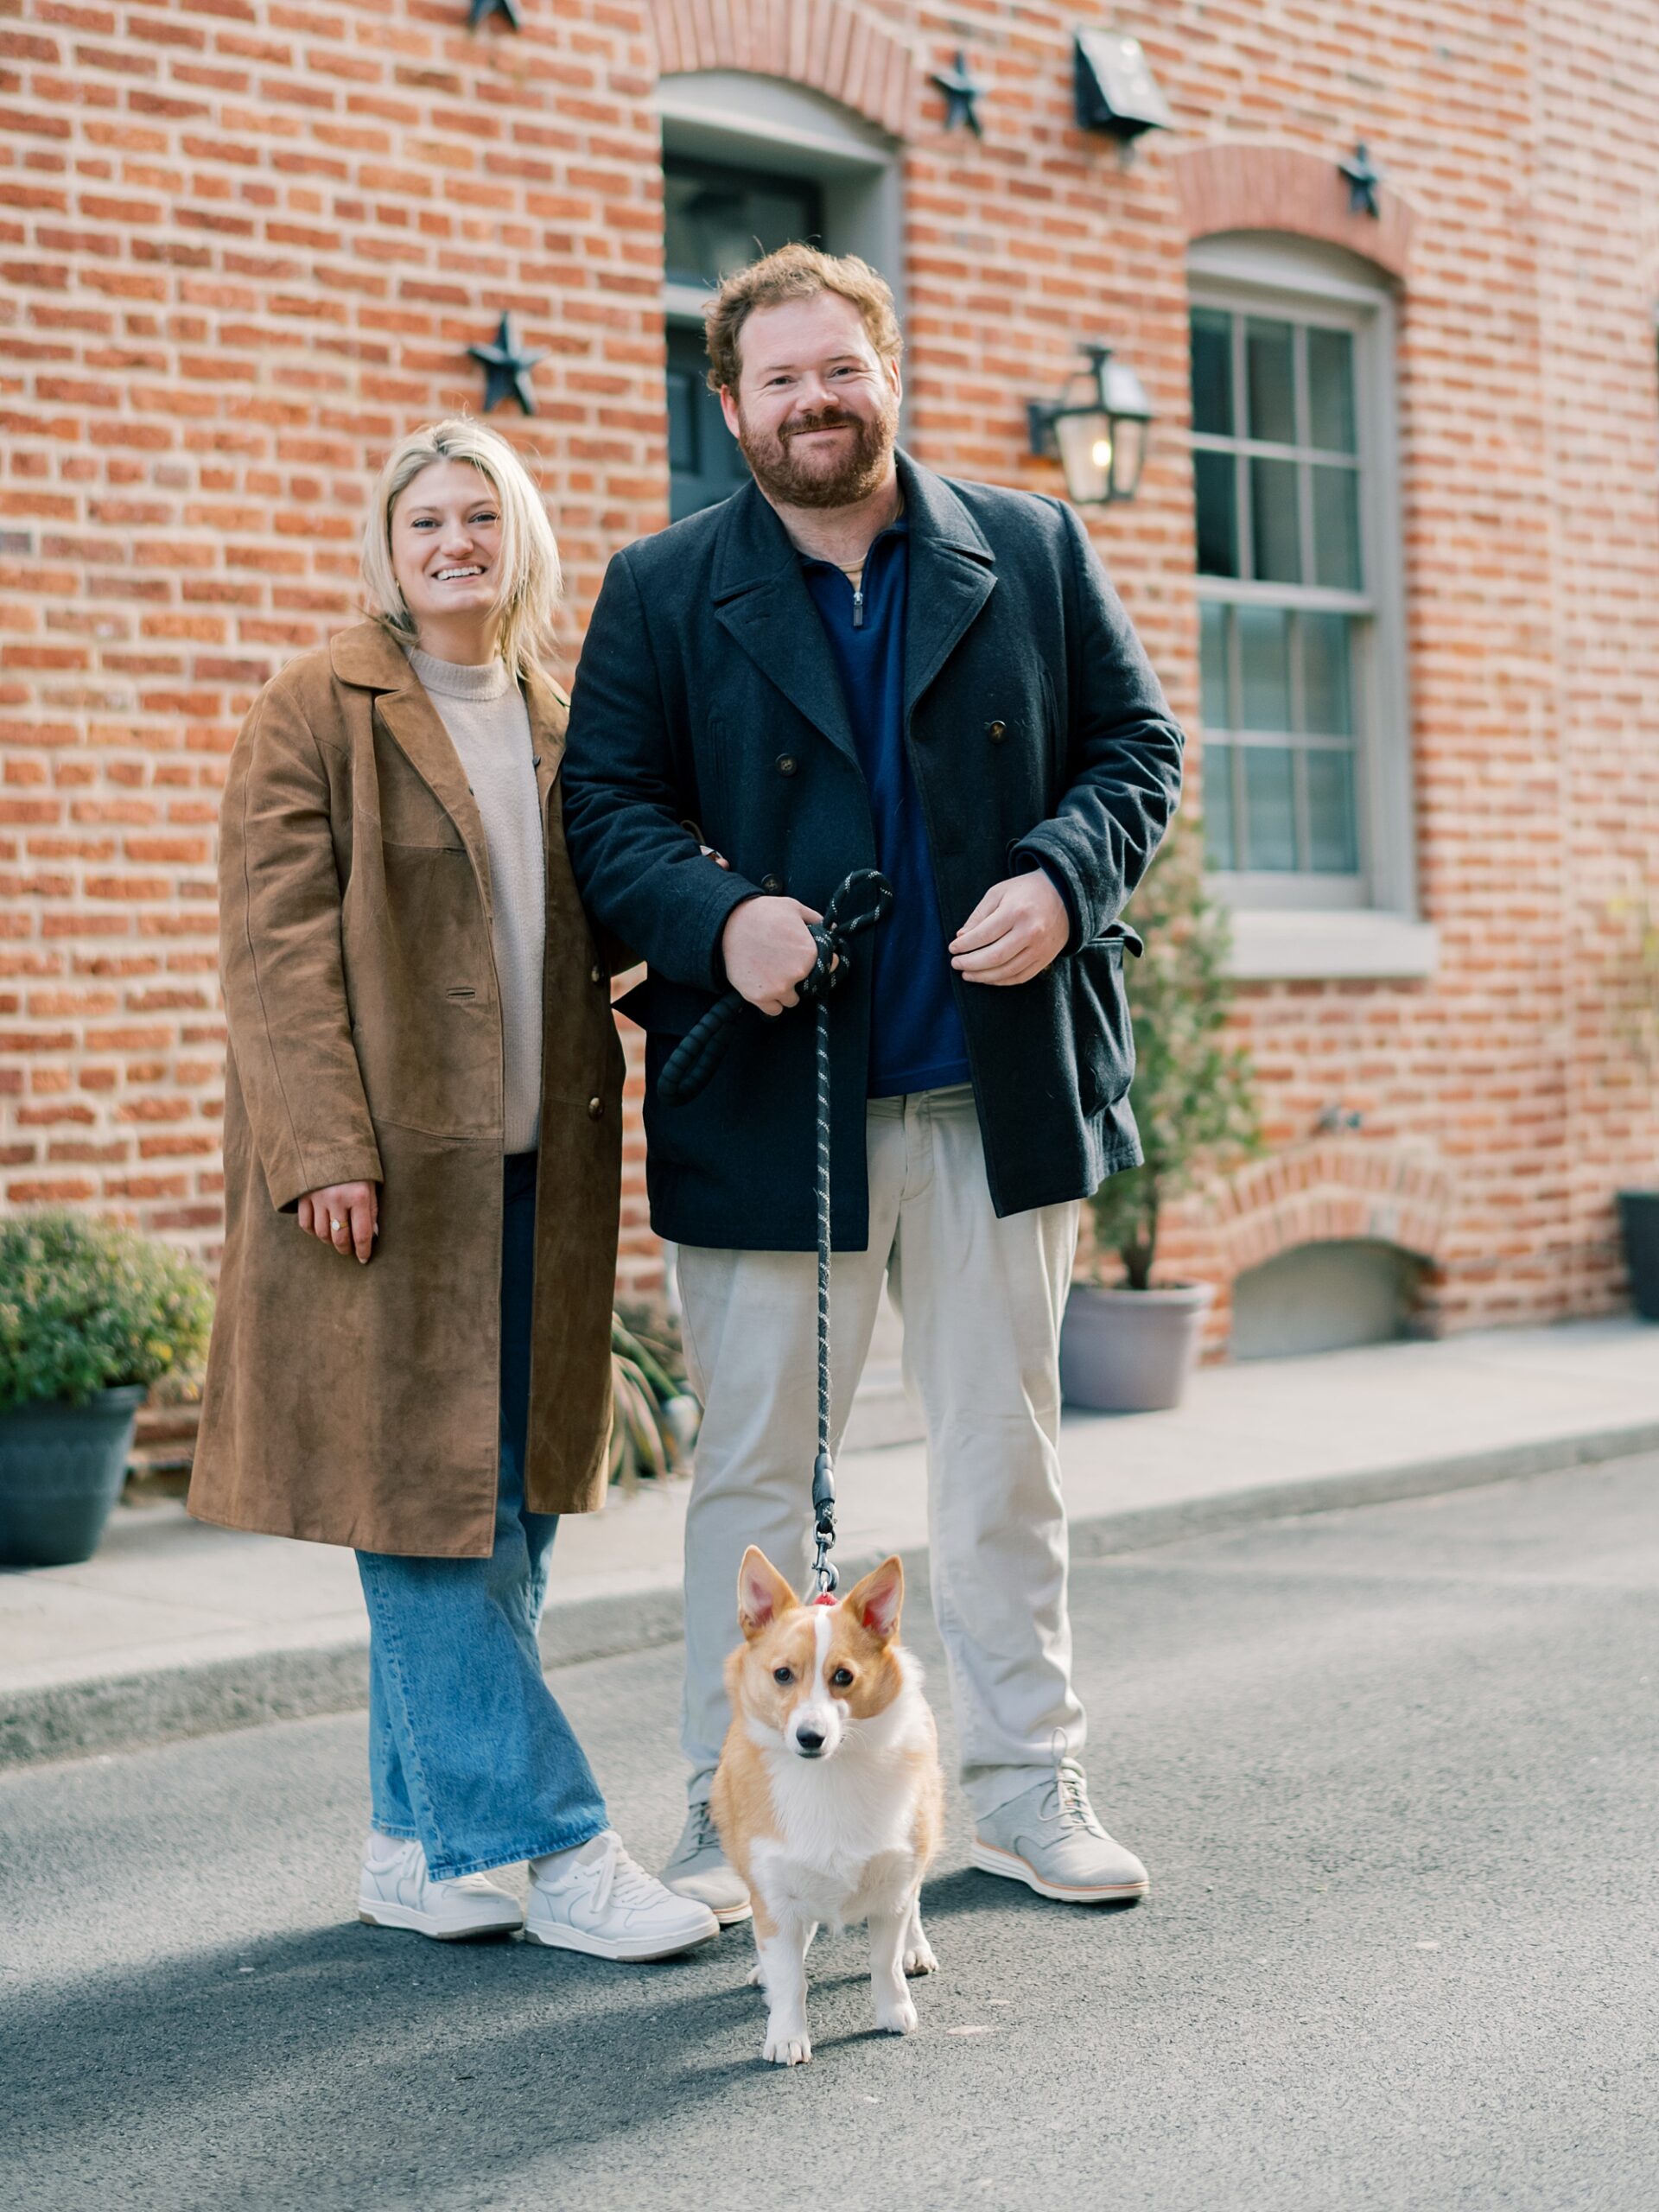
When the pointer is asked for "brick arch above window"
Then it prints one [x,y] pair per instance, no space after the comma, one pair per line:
[828,46]
[1385,1194]
[1266,187]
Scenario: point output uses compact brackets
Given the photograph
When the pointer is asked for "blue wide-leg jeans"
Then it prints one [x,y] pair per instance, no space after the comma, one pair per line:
[468,1750]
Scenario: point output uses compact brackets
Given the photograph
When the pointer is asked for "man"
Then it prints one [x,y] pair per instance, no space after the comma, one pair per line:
[853,664]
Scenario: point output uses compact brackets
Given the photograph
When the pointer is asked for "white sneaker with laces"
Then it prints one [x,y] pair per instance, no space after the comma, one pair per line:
[602,1903]
[699,1869]
[1050,1839]
[397,1891]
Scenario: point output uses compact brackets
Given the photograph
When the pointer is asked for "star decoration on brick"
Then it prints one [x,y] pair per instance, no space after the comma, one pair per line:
[1364,177]
[506,369]
[481,10]
[961,95]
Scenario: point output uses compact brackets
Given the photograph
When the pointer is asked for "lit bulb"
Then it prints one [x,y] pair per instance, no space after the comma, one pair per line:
[1100,452]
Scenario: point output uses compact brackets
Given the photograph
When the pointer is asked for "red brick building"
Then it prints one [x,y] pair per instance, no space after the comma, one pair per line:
[1395,552]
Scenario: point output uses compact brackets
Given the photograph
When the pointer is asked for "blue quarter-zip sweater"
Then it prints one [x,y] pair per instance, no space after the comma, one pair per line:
[916,1036]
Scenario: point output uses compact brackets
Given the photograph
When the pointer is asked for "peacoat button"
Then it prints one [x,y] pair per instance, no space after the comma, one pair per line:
[595,974]
[595,1108]
[787,763]
[996,732]
[772,883]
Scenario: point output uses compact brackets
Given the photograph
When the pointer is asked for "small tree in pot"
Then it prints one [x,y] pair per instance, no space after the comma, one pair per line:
[1131,1349]
[91,1315]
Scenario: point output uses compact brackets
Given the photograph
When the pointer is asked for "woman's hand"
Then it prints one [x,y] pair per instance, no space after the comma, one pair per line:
[345,1214]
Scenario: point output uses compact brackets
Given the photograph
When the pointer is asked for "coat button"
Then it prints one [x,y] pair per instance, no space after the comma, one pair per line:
[595,1108]
[996,732]
[595,974]
[787,763]
[772,883]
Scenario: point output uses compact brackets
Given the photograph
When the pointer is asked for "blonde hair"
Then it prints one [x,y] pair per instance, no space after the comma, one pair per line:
[795,272]
[529,553]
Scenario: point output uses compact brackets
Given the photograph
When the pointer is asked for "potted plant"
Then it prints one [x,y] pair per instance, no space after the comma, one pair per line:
[1130,1347]
[1638,1211]
[90,1314]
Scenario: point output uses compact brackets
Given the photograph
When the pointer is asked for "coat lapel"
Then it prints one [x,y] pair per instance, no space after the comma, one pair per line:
[549,709]
[762,603]
[952,574]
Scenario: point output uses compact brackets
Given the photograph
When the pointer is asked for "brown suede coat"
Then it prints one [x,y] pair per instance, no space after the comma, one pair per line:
[357,1404]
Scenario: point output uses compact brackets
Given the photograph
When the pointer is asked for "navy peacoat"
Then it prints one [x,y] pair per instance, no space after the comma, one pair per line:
[708,710]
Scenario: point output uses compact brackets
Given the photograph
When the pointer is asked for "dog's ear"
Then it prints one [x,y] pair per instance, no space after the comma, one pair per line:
[876,1600]
[762,1593]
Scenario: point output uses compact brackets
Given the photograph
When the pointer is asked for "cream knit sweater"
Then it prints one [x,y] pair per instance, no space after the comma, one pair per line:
[483,710]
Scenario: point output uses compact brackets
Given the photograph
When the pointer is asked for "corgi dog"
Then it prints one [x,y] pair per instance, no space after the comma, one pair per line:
[828,1798]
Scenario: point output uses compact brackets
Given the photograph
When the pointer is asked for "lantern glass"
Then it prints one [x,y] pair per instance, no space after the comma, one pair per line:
[1086,455]
[1130,456]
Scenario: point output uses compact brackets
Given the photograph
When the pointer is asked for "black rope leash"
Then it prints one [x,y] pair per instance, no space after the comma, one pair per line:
[864,899]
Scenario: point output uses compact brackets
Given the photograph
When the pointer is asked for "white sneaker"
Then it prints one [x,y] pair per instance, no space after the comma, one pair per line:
[603,1904]
[398,1892]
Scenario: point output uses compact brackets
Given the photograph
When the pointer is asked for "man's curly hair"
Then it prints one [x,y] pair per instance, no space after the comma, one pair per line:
[795,272]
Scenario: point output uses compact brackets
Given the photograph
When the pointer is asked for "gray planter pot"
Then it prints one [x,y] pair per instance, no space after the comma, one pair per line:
[1131,1351]
[60,1470]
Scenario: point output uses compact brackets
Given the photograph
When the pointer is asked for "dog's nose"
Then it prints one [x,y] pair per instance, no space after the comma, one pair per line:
[809,1739]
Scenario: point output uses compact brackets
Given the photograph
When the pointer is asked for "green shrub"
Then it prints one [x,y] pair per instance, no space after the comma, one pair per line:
[1193,1095]
[87,1305]
[655,1420]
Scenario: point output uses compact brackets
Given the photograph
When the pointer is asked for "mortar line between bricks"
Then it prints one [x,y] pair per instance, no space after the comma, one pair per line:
[140,1711]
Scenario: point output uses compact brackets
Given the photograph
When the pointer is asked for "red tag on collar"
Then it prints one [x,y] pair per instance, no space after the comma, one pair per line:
[825,1597]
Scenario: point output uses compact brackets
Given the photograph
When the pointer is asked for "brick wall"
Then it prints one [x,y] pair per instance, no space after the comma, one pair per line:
[243,244]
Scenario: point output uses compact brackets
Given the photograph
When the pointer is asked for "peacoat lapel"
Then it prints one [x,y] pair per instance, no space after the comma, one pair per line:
[952,574]
[761,602]
[367,657]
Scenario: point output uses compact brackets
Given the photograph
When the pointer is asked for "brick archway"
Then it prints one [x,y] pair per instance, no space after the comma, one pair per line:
[825,45]
[1265,187]
[1328,1189]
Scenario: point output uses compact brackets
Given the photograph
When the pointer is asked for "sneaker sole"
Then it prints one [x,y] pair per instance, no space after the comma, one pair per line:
[421,1923]
[990,1860]
[635,1950]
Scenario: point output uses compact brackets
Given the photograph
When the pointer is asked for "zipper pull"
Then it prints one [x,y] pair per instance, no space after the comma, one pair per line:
[858,606]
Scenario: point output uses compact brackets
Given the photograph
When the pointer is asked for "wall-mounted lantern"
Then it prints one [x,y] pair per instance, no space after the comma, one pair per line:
[1115,88]
[1097,428]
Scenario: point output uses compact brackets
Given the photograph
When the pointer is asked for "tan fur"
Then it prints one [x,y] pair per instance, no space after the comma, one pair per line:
[845,1835]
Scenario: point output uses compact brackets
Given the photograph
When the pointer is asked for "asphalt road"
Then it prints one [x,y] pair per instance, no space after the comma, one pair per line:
[1393,1770]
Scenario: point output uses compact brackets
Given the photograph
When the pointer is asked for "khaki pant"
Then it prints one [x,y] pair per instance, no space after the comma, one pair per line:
[982,1300]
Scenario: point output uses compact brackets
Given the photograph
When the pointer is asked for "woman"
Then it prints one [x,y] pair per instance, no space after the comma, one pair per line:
[422,1156]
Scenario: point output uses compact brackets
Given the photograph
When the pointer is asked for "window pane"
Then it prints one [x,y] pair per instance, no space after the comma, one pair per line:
[1213,372]
[1268,353]
[1269,808]
[1331,831]
[1213,666]
[1217,501]
[1218,805]
[1275,536]
[682,420]
[1336,527]
[717,220]
[1327,689]
[1264,667]
[1330,390]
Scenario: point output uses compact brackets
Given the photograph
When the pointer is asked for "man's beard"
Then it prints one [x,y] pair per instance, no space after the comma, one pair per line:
[863,463]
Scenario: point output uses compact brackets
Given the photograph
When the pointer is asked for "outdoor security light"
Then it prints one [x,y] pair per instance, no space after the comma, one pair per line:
[1097,428]
[1113,86]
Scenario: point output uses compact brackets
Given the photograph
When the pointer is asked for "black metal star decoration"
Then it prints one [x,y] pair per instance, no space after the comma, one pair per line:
[506,369]
[481,10]
[961,94]
[1364,177]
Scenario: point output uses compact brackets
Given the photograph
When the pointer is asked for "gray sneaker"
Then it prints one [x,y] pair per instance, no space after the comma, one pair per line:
[698,1869]
[1049,1839]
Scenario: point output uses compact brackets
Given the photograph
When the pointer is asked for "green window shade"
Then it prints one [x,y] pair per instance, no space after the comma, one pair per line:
[1269,367]
[1263,667]
[1327,681]
[1218,805]
[1212,665]
[1336,527]
[1275,527]
[1270,807]
[1332,844]
[1330,390]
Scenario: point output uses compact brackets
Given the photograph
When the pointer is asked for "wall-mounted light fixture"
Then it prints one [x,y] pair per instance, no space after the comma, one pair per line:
[1097,428]
[1113,86]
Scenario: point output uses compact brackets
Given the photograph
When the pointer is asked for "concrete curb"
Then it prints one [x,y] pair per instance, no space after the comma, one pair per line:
[122,1713]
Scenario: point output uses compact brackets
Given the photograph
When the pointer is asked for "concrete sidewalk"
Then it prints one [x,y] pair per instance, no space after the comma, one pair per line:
[177,1630]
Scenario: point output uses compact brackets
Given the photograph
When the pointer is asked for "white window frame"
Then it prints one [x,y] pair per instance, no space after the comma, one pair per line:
[1305,926]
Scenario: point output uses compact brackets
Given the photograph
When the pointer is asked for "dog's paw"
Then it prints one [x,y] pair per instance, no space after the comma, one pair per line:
[896,2016]
[918,1957]
[788,2046]
[754,1979]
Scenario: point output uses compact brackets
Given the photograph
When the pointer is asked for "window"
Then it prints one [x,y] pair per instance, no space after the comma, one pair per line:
[749,164]
[1306,796]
